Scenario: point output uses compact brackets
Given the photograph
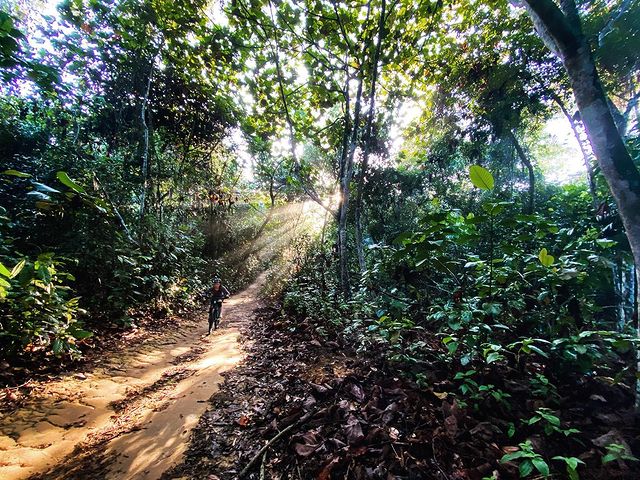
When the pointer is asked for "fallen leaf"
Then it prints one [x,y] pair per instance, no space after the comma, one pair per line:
[357,392]
[441,395]
[510,449]
[243,421]
[325,474]
[353,430]
[305,450]
[451,426]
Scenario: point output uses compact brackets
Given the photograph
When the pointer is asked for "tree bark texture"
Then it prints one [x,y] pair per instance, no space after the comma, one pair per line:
[529,166]
[145,145]
[367,136]
[561,30]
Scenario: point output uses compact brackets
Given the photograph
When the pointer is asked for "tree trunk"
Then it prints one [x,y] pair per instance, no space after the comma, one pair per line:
[585,156]
[121,221]
[345,183]
[145,146]
[562,31]
[367,136]
[527,163]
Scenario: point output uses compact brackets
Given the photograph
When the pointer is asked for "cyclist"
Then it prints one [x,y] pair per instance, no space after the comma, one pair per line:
[217,294]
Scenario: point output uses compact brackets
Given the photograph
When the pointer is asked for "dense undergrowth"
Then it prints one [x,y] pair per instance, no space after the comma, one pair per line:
[305,404]
[61,280]
[146,146]
[505,315]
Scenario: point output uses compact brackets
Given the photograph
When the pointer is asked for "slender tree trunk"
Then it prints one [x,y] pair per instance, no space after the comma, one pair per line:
[367,136]
[585,156]
[561,30]
[145,146]
[635,101]
[345,192]
[121,221]
[527,163]
[272,198]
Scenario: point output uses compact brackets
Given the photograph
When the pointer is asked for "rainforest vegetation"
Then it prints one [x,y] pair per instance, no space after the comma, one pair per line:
[467,173]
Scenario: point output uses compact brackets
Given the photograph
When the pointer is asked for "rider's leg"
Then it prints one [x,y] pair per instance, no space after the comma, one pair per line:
[211,319]
[217,314]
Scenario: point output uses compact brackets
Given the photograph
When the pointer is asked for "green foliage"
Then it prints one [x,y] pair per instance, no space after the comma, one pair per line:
[477,393]
[528,460]
[133,235]
[550,422]
[617,452]
[38,312]
[122,191]
[571,464]
[16,60]
[545,259]
[481,177]
[542,387]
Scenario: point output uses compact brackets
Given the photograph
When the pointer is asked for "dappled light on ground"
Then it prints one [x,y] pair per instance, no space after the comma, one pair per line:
[132,417]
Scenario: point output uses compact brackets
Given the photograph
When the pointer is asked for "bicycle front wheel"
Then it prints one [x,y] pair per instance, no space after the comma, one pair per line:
[216,318]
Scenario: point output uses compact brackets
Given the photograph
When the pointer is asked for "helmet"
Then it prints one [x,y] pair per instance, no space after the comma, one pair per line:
[217,280]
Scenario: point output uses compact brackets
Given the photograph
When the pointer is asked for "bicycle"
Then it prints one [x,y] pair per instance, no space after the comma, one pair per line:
[214,314]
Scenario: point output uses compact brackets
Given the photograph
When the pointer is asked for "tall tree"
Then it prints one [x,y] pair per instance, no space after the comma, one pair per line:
[561,29]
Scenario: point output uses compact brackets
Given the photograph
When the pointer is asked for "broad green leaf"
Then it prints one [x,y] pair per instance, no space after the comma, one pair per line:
[16,173]
[513,456]
[525,468]
[81,334]
[605,243]
[17,269]
[494,357]
[65,180]
[481,177]
[57,346]
[4,271]
[541,466]
[545,259]
[538,351]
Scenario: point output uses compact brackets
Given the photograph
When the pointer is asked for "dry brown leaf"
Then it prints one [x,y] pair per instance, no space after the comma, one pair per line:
[243,421]
[353,430]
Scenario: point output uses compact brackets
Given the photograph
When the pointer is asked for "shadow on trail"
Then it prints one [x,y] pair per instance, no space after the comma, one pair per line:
[149,431]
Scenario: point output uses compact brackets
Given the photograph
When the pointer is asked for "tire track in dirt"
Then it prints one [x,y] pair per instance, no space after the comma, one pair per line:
[132,417]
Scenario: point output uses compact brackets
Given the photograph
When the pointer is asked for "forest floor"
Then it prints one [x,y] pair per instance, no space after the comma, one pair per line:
[128,413]
[274,396]
[304,405]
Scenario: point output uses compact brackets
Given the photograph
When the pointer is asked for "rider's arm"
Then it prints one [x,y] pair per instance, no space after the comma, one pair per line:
[225,291]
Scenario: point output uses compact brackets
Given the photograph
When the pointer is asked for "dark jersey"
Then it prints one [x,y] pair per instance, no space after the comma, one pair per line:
[216,295]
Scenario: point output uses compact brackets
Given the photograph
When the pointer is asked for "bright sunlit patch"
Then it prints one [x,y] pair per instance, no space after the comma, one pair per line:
[238,143]
[408,112]
[217,14]
[560,158]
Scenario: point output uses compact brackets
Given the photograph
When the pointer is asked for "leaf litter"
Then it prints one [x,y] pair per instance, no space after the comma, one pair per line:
[301,406]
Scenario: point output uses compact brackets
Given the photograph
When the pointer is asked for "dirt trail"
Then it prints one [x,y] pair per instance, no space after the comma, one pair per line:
[131,417]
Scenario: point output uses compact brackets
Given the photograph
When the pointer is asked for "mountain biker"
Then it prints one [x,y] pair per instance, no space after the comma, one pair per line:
[216,295]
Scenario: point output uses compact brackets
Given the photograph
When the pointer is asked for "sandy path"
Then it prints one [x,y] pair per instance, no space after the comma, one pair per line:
[131,418]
